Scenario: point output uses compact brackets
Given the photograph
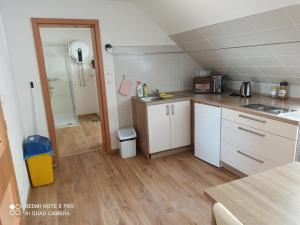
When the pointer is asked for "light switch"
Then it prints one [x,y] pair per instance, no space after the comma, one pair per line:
[110,80]
[108,72]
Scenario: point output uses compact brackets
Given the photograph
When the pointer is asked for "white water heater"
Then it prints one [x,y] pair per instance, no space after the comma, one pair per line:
[79,51]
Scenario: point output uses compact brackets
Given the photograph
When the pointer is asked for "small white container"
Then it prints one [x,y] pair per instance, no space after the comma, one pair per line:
[127,142]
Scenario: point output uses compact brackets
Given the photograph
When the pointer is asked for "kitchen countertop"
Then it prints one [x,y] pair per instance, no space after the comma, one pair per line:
[266,198]
[235,103]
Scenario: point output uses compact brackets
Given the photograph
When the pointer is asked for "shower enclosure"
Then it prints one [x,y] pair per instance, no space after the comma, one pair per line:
[61,84]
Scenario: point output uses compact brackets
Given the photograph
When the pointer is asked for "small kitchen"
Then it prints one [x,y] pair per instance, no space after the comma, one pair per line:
[250,134]
[236,103]
[240,110]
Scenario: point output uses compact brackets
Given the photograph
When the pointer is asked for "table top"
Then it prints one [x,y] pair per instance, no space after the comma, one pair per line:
[267,198]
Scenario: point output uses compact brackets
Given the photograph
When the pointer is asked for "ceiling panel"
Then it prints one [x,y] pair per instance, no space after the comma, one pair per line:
[263,47]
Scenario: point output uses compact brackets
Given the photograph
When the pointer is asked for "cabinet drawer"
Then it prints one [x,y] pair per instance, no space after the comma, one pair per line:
[261,123]
[244,161]
[272,147]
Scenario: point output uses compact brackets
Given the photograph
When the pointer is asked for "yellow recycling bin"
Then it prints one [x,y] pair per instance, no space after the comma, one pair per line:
[39,157]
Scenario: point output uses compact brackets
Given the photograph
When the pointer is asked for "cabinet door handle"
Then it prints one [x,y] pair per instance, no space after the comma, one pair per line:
[251,118]
[172,109]
[252,132]
[250,157]
[167,110]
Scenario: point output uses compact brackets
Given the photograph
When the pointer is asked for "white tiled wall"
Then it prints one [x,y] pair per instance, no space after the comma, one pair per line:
[264,87]
[268,57]
[166,72]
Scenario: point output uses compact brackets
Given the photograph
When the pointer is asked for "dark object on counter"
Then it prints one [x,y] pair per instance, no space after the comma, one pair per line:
[283,90]
[245,90]
[218,84]
[235,94]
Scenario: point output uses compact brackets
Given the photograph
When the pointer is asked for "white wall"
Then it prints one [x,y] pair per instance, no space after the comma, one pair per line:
[166,72]
[12,111]
[121,23]
[175,16]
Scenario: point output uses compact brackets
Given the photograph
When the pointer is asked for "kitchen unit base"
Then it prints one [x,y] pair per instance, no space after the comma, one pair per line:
[170,152]
[253,144]
[162,127]
[232,170]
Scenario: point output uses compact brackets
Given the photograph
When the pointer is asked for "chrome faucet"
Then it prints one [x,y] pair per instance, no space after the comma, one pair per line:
[155,92]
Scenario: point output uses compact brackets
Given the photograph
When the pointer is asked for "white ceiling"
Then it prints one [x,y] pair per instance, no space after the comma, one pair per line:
[175,16]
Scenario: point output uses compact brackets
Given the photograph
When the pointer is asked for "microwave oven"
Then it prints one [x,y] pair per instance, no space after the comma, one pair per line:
[210,84]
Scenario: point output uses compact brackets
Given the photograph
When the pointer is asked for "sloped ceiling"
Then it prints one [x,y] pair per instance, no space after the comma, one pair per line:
[263,48]
[233,38]
[175,16]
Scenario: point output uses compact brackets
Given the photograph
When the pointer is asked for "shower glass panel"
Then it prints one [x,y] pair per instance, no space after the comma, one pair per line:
[60,82]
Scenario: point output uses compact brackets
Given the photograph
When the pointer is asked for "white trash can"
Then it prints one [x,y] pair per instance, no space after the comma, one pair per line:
[127,142]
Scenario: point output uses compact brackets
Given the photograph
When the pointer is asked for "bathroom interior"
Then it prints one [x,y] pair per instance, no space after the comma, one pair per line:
[68,56]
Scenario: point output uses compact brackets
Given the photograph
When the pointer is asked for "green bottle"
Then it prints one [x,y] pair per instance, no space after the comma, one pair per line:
[145,90]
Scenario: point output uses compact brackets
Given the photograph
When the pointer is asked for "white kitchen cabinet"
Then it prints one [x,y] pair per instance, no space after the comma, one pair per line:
[168,126]
[277,149]
[272,126]
[251,143]
[159,128]
[180,124]
[244,161]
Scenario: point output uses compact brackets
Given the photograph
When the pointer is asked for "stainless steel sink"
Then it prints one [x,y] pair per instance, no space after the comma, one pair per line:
[268,109]
[151,98]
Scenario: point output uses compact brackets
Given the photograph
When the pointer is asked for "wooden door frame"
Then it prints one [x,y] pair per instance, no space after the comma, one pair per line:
[8,175]
[100,79]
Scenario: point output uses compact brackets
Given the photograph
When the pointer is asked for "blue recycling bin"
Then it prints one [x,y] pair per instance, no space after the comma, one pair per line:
[38,154]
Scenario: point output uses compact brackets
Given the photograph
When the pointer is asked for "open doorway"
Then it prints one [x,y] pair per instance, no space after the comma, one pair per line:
[71,70]
[69,63]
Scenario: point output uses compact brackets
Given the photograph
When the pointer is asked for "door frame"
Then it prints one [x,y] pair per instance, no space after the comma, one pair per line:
[100,79]
[7,175]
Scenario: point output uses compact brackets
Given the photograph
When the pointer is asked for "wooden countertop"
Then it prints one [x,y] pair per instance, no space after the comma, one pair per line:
[268,198]
[235,103]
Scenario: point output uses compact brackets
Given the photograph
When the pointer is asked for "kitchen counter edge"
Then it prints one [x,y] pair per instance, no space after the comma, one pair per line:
[183,96]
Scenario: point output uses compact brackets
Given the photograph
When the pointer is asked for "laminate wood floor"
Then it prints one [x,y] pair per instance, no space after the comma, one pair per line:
[84,137]
[106,189]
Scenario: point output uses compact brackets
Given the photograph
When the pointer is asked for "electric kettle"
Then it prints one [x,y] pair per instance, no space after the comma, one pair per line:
[245,90]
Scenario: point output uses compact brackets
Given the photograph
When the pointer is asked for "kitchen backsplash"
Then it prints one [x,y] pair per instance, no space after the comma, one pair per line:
[166,72]
[263,48]
[264,88]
